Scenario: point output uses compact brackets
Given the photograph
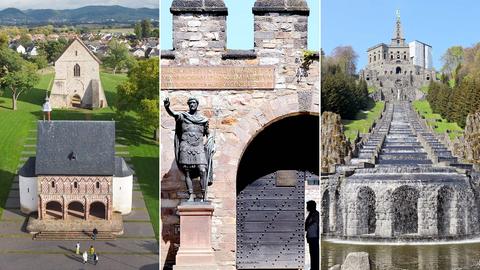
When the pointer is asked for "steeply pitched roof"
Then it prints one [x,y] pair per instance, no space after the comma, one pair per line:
[83,45]
[75,148]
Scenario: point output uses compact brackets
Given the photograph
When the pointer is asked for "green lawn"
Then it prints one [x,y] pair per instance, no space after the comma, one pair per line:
[434,119]
[372,89]
[16,126]
[363,120]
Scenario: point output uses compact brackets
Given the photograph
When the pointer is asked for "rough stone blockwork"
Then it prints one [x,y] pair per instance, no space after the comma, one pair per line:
[236,116]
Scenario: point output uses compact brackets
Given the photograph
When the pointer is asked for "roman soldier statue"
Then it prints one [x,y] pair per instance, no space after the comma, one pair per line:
[193,153]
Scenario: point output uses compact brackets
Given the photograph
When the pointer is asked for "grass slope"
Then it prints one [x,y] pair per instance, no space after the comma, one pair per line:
[363,120]
[16,126]
[435,120]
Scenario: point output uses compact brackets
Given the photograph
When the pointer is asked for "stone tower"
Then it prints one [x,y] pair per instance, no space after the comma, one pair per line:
[199,31]
[281,36]
[398,40]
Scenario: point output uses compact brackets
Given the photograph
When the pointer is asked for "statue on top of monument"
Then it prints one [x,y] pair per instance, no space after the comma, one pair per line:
[193,153]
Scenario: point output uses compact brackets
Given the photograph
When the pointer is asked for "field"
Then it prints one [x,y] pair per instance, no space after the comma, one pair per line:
[363,120]
[18,126]
[435,120]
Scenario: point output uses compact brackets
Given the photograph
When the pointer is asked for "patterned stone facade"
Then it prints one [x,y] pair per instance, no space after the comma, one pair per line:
[67,189]
[236,116]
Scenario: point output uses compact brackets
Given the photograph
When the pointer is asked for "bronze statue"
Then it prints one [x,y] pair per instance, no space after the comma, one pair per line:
[192,154]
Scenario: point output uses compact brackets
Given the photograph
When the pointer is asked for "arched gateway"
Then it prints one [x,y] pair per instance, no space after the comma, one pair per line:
[271,193]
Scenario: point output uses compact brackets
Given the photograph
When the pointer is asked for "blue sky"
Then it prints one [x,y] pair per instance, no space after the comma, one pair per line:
[362,24]
[239,24]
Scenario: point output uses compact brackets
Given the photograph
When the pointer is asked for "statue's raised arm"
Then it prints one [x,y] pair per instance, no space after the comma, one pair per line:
[166,103]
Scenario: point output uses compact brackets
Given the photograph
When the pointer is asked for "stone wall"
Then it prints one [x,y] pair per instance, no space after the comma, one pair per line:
[236,116]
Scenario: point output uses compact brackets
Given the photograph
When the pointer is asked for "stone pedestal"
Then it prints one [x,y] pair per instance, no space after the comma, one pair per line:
[195,250]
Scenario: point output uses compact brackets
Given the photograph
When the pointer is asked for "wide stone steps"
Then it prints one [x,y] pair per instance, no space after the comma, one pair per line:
[59,235]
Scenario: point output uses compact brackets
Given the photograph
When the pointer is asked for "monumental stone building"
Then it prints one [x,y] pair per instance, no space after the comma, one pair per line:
[263,106]
[75,178]
[399,65]
[77,79]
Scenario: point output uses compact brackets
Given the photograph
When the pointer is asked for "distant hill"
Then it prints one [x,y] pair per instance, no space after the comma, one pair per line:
[83,15]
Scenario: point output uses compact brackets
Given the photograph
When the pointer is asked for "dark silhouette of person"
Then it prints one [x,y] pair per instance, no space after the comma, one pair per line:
[312,228]
[94,234]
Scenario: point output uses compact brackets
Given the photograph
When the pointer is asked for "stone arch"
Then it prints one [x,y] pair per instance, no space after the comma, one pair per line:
[325,211]
[76,209]
[445,207]
[98,210]
[366,209]
[53,210]
[76,101]
[273,136]
[398,70]
[405,210]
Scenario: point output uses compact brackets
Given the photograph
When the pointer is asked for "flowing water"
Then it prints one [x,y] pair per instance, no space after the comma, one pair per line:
[393,257]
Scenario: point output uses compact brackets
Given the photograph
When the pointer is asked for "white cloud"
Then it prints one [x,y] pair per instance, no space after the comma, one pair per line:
[69,4]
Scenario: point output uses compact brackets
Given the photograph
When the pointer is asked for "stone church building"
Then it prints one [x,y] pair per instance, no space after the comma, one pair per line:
[75,182]
[399,65]
[77,79]
[263,108]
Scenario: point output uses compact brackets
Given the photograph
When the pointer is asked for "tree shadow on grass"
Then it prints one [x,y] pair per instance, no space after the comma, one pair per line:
[6,179]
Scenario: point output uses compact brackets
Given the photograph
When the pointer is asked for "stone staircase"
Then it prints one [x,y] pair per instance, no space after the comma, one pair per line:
[401,139]
[401,146]
[59,235]
[368,152]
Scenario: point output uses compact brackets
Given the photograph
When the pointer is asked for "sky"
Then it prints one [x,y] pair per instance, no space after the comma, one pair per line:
[69,4]
[363,24]
[239,24]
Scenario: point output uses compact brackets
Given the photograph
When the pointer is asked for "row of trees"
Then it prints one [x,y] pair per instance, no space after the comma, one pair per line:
[144,29]
[458,93]
[342,92]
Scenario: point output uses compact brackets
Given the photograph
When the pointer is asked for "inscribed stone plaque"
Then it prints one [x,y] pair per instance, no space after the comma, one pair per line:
[286,178]
[218,78]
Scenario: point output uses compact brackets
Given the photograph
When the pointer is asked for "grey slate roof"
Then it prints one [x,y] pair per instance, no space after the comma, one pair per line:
[281,6]
[28,169]
[75,148]
[121,168]
[216,7]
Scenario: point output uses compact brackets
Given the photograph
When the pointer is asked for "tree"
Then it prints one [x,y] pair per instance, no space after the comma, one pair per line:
[451,59]
[3,39]
[40,60]
[146,28]
[25,40]
[19,81]
[118,56]
[138,30]
[53,49]
[346,58]
[141,93]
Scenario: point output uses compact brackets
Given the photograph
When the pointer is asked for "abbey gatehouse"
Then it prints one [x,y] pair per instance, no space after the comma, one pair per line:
[263,110]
